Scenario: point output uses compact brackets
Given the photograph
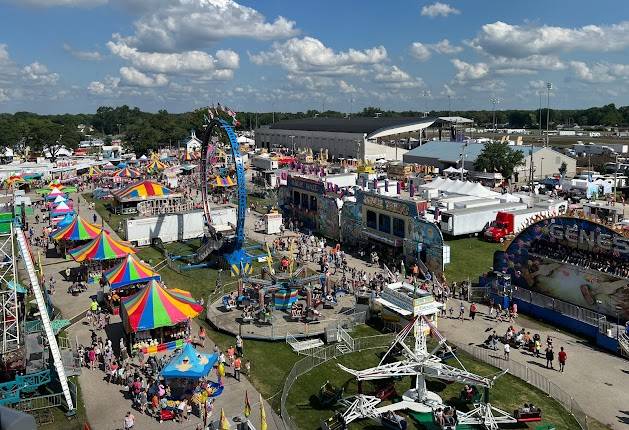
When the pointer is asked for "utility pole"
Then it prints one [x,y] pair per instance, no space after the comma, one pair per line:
[494,101]
[463,159]
[549,86]
[616,177]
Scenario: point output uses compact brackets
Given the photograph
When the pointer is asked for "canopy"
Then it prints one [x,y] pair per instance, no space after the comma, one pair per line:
[59,199]
[143,157]
[155,166]
[127,172]
[189,156]
[143,189]
[77,229]
[55,193]
[61,209]
[94,171]
[189,364]
[102,247]
[67,219]
[223,182]
[129,271]
[454,170]
[15,179]
[154,306]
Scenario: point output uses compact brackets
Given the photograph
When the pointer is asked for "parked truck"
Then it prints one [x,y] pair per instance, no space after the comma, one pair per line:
[168,228]
[508,223]
[470,221]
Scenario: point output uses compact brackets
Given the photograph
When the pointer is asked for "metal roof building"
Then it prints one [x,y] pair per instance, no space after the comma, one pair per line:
[349,137]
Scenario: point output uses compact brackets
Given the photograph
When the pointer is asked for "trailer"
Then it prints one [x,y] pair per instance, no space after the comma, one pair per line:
[450,202]
[264,163]
[509,223]
[167,228]
[470,221]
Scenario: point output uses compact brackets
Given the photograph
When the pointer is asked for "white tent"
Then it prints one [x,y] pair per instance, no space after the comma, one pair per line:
[59,199]
[454,170]
[246,140]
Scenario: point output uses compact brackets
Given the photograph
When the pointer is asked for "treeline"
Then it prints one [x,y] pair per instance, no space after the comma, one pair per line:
[145,131]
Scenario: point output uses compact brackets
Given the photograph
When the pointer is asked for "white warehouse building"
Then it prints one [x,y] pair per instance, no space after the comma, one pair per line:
[358,138]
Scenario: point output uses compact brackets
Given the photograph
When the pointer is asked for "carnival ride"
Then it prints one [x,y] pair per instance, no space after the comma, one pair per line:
[420,363]
[218,135]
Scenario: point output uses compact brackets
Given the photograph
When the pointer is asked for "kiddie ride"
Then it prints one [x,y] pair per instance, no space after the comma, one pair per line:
[421,364]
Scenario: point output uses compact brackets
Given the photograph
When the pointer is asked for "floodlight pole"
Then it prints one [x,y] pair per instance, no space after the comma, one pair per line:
[549,86]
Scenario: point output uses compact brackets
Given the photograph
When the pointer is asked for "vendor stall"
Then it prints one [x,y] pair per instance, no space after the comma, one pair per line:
[156,319]
[76,229]
[126,278]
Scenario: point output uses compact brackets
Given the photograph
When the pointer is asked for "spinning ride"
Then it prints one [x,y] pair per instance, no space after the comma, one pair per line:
[219,136]
[420,363]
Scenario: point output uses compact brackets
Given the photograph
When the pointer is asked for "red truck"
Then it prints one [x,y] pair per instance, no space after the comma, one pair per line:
[507,223]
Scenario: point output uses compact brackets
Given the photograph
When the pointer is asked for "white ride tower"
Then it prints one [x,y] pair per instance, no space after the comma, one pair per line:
[418,362]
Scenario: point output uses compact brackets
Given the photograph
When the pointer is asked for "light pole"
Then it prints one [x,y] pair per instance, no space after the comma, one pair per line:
[292,141]
[494,101]
[549,87]
[616,177]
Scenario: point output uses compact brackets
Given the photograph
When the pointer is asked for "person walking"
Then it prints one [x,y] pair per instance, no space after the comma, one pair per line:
[550,357]
[473,310]
[239,346]
[461,311]
[538,347]
[129,421]
[507,350]
[562,356]
[237,364]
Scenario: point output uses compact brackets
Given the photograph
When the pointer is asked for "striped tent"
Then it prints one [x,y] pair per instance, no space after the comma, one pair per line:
[130,271]
[219,181]
[143,189]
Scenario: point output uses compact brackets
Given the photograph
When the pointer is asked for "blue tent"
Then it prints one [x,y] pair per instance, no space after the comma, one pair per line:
[66,220]
[189,364]
[12,285]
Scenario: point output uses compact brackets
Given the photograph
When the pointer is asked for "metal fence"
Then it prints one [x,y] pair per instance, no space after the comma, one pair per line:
[536,379]
[319,357]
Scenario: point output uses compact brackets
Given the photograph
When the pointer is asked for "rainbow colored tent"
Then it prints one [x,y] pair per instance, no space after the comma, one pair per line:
[67,219]
[127,173]
[94,171]
[61,209]
[155,166]
[219,181]
[129,271]
[142,189]
[60,198]
[154,306]
[77,229]
[102,247]
[15,180]
[54,193]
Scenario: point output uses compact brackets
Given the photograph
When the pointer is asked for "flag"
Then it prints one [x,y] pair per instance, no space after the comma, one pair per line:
[247,405]
[262,415]
[224,423]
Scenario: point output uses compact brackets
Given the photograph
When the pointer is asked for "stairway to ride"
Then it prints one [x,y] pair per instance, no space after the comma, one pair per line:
[206,249]
[43,311]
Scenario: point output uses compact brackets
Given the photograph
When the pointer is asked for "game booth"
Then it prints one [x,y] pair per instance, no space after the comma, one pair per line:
[125,279]
[73,230]
[185,374]
[157,319]
[99,254]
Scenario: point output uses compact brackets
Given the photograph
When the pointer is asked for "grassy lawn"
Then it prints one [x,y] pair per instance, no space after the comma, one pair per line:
[470,257]
[61,422]
[114,221]
[508,393]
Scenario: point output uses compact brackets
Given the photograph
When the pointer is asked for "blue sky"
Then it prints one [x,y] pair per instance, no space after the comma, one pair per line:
[75,55]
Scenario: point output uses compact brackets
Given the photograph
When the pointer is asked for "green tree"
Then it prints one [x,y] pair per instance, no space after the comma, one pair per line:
[499,157]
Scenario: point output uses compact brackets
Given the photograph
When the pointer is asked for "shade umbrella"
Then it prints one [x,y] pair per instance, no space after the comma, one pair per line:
[102,247]
[77,229]
[189,364]
[154,306]
[130,271]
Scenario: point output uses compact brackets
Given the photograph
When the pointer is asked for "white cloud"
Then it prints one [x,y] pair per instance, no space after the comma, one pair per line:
[527,65]
[187,62]
[55,3]
[191,24]
[310,55]
[346,88]
[507,40]
[395,78]
[134,77]
[439,9]
[39,74]
[489,86]
[4,95]
[82,55]
[448,91]
[105,87]
[599,72]
[420,51]
[469,72]
[444,47]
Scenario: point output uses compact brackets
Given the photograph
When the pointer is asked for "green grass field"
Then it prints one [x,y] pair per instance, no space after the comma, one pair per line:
[508,393]
[470,257]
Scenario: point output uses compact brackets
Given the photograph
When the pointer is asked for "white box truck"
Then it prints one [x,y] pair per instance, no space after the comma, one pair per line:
[459,222]
[264,163]
[168,228]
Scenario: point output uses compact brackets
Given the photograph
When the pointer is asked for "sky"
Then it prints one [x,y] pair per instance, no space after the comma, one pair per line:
[59,56]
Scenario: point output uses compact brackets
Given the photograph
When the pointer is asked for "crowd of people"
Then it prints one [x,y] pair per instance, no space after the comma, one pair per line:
[601,261]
